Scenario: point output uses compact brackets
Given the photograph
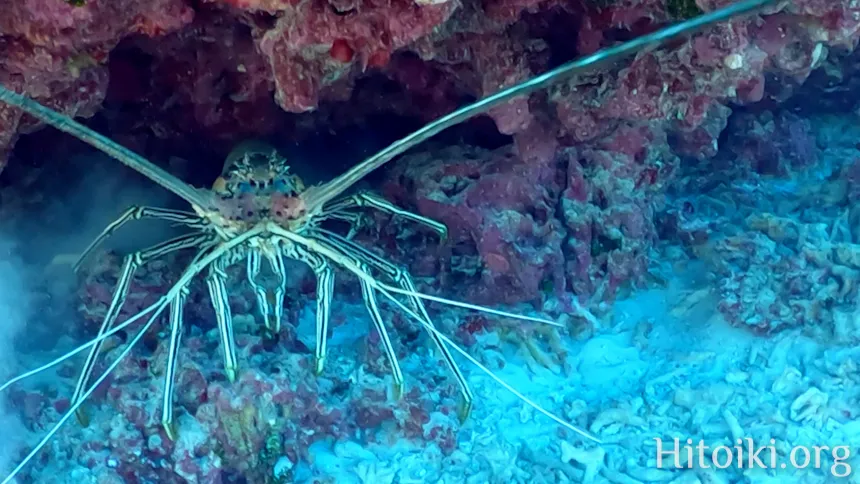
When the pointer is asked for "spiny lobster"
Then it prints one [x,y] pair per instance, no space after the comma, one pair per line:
[258,210]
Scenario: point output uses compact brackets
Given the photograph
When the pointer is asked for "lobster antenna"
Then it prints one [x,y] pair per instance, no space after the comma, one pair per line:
[194,196]
[317,196]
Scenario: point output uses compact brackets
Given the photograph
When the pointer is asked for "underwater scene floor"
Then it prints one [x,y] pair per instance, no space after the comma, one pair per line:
[737,363]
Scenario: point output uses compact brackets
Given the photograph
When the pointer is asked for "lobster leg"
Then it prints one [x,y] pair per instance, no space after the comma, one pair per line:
[176,307]
[76,407]
[353,219]
[366,199]
[404,280]
[270,301]
[325,286]
[369,296]
[323,249]
[216,281]
[325,289]
[154,310]
[132,263]
[188,219]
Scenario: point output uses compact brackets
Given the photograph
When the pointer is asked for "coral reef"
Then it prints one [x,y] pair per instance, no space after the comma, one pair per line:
[56,51]
[781,238]
[613,192]
[773,145]
[506,240]
[570,210]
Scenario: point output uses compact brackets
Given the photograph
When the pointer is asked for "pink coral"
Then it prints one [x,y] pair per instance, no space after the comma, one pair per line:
[299,45]
[54,51]
[762,289]
[613,192]
[774,145]
[209,78]
[500,214]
